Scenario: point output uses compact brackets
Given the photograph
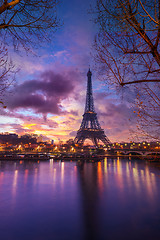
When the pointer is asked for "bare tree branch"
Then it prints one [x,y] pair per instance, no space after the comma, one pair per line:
[25,24]
[140,81]
[128,51]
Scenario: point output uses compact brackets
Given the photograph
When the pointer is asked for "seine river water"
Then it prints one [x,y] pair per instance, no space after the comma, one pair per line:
[109,200]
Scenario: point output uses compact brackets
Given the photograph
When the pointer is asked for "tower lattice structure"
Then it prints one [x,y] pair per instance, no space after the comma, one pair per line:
[90,127]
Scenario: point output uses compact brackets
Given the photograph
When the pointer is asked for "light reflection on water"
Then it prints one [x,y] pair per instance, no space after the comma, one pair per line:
[112,199]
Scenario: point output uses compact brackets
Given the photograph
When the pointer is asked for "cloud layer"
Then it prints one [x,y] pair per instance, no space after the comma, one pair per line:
[43,95]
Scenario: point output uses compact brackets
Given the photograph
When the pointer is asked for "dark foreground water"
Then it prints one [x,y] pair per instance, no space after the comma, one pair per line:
[115,199]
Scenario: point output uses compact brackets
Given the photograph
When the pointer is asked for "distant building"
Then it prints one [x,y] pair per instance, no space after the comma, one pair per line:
[40,138]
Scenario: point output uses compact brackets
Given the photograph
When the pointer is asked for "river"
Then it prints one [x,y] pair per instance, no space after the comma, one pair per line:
[108,200]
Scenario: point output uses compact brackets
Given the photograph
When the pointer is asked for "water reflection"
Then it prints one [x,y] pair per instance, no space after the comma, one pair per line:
[119,176]
[89,182]
[100,177]
[1,178]
[75,200]
[105,164]
[14,182]
[25,176]
[54,176]
[62,173]
[35,176]
[127,185]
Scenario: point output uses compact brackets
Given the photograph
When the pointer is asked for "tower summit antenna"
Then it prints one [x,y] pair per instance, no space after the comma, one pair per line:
[90,127]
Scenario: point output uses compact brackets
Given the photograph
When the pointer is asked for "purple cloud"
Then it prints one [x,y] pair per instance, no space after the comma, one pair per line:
[43,95]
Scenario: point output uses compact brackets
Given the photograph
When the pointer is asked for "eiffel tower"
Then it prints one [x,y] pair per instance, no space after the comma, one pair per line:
[90,127]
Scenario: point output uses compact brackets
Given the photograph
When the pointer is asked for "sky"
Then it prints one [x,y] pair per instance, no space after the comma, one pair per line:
[48,96]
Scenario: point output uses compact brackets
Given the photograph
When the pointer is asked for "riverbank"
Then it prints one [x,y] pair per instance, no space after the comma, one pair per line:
[87,156]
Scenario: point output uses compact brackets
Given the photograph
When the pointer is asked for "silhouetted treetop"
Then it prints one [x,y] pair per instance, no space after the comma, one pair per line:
[27,21]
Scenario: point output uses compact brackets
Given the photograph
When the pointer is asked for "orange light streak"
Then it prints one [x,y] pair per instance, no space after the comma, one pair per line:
[100,176]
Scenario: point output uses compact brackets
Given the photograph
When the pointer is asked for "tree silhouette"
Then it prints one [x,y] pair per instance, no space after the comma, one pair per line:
[23,24]
[127,47]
